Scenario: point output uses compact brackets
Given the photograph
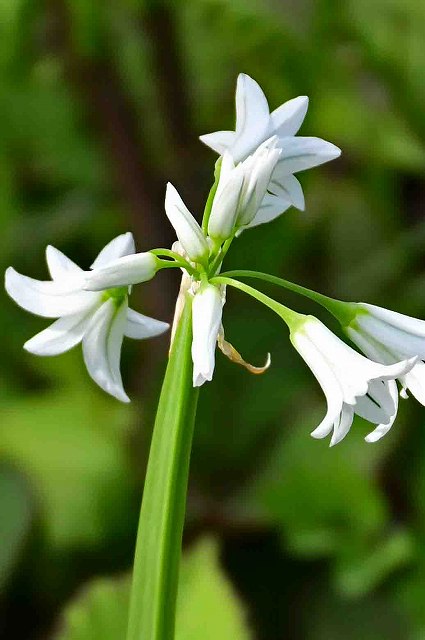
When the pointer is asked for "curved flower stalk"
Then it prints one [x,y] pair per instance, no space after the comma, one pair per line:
[254,125]
[99,320]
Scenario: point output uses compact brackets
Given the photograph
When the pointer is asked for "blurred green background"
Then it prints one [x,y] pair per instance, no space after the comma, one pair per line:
[101,103]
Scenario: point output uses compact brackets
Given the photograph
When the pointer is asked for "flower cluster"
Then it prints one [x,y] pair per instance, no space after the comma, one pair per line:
[254,184]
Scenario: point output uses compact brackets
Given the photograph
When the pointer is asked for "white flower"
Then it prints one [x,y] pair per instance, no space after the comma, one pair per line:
[351,383]
[99,320]
[387,336]
[207,310]
[187,229]
[255,124]
[241,190]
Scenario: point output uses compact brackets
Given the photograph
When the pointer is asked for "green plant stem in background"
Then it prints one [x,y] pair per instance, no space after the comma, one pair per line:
[344,312]
[158,548]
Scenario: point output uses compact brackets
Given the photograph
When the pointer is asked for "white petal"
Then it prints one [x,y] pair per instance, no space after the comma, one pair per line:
[367,409]
[187,229]
[343,424]
[393,338]
[271,207]
[325,377]
[207,311]
[391,371]
[60,266]
[122,245]
[258,170]
[370,348]
[218,141]
[383,428]
[252,117]
[288,188]
[128,270]
[60,336]
[288,118]
[301,153]
[379,403]
[139,326]
[406,323]
[415,382]
[49,299]
[379,391]
[225,205]
[102,348]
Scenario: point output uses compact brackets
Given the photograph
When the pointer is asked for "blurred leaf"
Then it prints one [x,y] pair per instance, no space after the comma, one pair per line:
[71,444]
[15,519]
[322,499]
[359,574]
[207,606]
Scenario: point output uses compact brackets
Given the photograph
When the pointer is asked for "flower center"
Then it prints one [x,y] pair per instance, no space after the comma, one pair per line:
[118,295]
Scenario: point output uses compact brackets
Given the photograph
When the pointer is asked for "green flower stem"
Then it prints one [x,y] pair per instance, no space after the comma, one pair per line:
[218,260]
[292,318]
[158,548]
[211,195]
[344,312]
[178,260]
[178,264]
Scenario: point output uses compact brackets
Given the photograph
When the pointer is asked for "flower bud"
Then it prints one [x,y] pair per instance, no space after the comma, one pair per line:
[187,229]
[241,190]
[122,272]
[225,206]
[207,310]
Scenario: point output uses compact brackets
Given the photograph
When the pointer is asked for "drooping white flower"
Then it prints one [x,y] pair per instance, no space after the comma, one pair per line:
[351,383]
[387,336]
[241,190]
[207,309]
[99,320]
[255,124]
[187,229]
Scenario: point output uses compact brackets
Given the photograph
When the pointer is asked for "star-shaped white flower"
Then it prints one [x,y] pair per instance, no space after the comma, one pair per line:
[99,320]
[254,125]
[388,336]
[351,383]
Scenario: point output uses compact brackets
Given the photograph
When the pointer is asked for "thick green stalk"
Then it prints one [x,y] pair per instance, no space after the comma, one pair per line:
[158,548]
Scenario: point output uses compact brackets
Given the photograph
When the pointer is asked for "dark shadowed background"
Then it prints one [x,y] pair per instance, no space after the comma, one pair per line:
[101,102]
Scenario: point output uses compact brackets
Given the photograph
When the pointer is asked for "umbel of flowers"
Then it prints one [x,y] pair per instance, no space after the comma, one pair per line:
[254,184]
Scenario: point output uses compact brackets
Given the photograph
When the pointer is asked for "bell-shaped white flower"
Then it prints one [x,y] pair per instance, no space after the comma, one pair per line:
[351,383]
[207,309]
[255,124]
[241,190]
[187,229]
[99,320]
[387,336]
